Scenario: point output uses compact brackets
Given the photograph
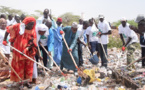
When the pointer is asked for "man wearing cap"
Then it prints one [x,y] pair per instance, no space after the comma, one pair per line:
[58,41]
[141,31]
[71,39]
[104,31]
[129,39]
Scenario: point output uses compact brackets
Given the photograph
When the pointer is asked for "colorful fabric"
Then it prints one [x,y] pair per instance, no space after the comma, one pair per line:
[22,65]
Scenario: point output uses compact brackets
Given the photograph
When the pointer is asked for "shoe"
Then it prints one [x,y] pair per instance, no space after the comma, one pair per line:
[28,85]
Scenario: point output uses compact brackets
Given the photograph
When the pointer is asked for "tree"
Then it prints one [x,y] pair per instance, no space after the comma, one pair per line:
[8,10]
[68,18]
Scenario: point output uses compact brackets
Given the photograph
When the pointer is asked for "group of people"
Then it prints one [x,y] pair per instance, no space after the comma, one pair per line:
[28,34]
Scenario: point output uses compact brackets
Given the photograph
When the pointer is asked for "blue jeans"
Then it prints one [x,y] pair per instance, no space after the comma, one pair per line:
[94,46]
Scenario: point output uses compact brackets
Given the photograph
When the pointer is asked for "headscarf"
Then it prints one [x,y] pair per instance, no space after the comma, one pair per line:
[42,27]
[25,22]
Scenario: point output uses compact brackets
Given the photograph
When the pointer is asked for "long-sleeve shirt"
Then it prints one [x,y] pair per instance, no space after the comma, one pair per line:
[50,42]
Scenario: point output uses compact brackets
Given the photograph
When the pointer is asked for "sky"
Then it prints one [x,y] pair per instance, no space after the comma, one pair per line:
[113,10]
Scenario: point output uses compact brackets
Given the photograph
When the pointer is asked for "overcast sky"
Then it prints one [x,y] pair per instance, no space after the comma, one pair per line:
[113,10]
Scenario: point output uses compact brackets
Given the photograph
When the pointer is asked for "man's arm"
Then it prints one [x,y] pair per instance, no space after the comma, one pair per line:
[121,36]
[107,33]
[95,22]
[135,29]
[6,35]
[129,39]
[81,42]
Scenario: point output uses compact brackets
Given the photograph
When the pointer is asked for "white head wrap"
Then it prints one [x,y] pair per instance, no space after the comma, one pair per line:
[41,27]
[74,25]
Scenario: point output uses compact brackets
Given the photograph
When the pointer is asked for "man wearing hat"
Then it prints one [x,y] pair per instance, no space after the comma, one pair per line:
[58,41]
[104,31]
[141,30]
[129,39]
[71,37]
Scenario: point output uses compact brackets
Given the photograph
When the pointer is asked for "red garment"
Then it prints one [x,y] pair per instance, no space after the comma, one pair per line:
[22,65]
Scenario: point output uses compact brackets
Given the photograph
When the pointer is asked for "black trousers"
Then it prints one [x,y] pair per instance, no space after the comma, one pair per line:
[102,54]
[44,55]
[80,54]
[143,54]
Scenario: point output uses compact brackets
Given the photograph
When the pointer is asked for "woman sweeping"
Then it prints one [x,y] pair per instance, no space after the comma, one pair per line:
[23,38]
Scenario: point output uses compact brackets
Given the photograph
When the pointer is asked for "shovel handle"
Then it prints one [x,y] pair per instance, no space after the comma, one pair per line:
[52,59]
[10,66]
[28,57]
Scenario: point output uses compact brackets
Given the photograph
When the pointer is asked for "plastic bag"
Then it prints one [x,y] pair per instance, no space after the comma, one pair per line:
[90,73]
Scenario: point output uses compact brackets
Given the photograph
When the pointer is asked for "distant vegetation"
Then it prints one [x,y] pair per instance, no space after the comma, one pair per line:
[67,18]
[131,22]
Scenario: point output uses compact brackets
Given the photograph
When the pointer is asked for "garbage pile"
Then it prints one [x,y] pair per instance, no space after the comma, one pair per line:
[102,78]
[115,77]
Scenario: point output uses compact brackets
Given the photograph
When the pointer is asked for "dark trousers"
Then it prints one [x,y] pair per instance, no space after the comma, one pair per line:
[44,55]
[94,46]
[80,53]
[143,54]
[102,54]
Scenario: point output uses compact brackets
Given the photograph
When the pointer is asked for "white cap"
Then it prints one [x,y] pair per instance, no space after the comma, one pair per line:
[123,19]
[101,16]
[139,18]
[74,25]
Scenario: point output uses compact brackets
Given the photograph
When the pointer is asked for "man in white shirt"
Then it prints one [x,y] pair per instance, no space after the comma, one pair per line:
[104,31]
[130,38]
[81,41]
[10,21]
[5,49]
[92,39]
[46,15]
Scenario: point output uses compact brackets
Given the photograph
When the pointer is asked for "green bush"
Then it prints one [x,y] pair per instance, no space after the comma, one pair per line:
[117,42]
[131,22]
[114,42]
